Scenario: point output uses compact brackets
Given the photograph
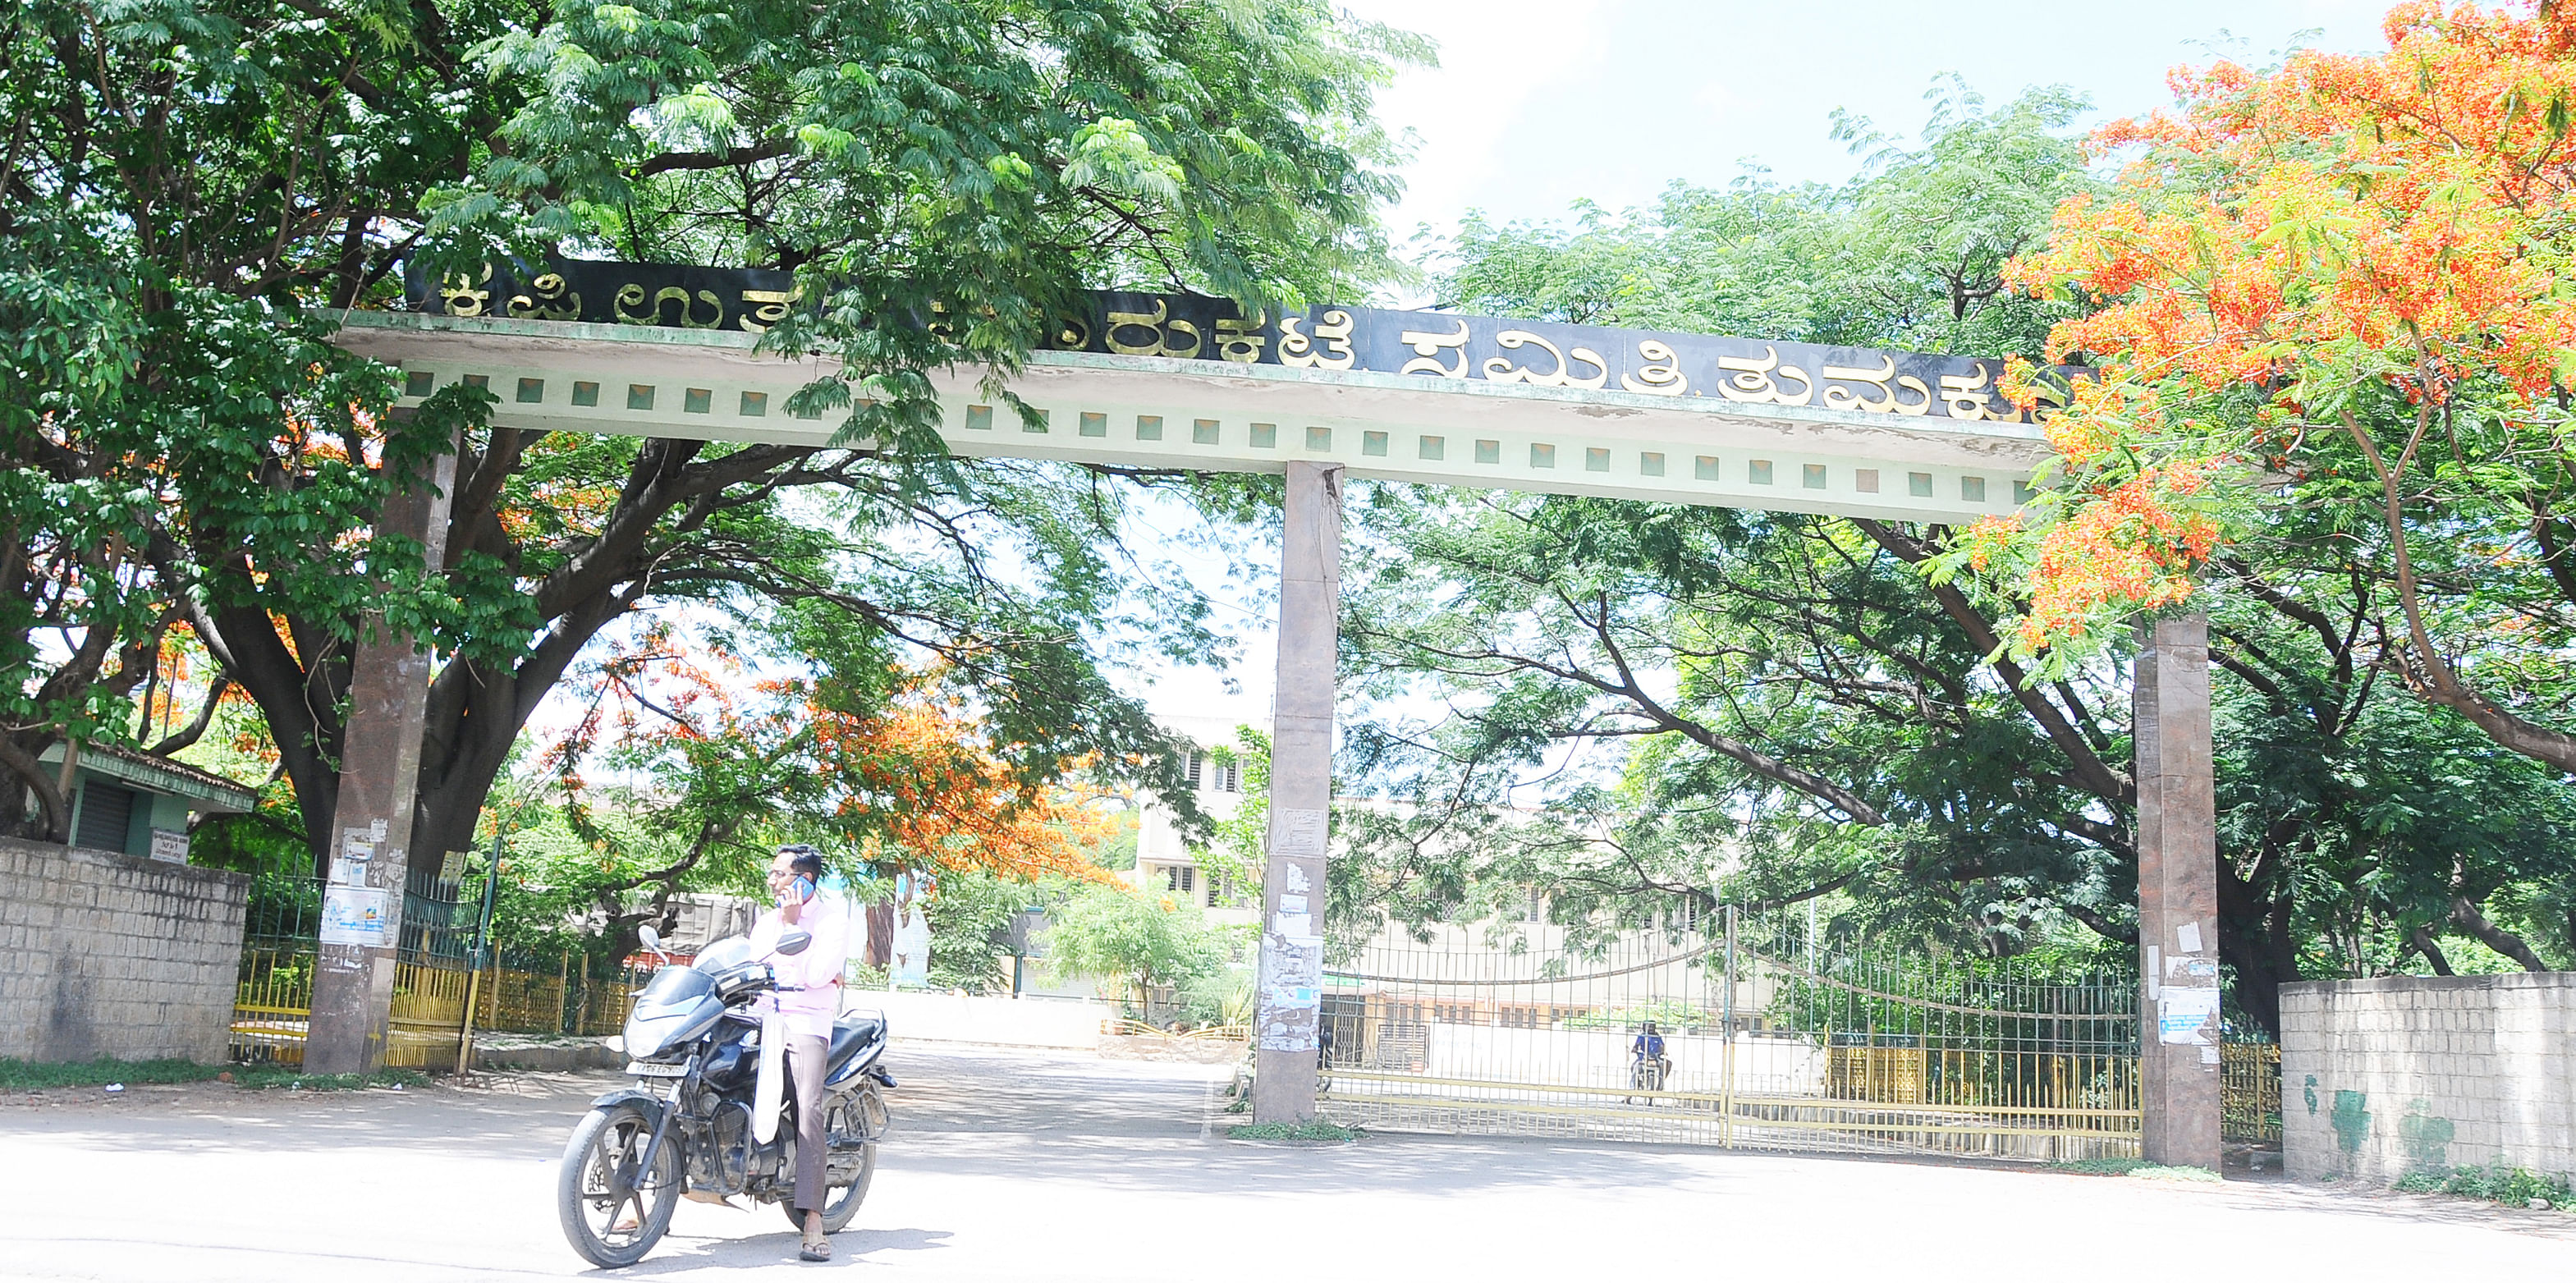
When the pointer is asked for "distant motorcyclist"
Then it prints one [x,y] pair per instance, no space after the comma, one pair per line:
[1648,1067]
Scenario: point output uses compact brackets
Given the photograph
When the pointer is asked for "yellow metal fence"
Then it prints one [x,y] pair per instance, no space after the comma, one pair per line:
[2250,1092]
[273,999]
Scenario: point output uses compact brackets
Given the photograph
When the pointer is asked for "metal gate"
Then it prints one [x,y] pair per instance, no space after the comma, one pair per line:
[1772,1037]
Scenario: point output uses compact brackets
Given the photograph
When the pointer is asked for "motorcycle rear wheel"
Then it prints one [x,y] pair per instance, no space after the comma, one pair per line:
[600,1185]
[853,1122]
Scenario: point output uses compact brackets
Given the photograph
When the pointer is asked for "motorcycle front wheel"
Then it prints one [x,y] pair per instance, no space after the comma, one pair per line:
[613,1211]
[852,1124]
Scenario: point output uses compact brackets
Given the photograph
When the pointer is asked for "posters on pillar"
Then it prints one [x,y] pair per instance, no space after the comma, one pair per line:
[1292,977]
[353,916]
[2183,1015]
[1302,831]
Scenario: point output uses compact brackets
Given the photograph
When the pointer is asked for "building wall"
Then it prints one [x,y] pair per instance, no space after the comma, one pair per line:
[115,955]
[2384,1077]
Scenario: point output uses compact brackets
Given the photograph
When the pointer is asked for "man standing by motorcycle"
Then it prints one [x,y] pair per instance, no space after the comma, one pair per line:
[809,997]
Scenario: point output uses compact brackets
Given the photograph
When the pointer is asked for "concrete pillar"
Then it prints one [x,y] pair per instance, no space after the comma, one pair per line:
[2177,894]
[353,978]
[1288,995]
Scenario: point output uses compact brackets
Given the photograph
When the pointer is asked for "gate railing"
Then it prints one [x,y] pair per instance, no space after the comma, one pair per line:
[273,993]
[1772,1037]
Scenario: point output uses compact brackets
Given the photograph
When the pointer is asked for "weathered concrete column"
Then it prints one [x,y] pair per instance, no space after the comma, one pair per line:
[353,978]
[1289,992]
[2177,894]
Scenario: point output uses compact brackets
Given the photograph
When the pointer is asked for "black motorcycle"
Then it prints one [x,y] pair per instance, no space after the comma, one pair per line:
[688,1123]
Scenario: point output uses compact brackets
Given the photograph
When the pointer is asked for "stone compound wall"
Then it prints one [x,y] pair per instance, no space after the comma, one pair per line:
[2380,1078]
[103,954]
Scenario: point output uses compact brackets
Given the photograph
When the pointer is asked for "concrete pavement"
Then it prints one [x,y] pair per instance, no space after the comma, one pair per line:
[1042,1166]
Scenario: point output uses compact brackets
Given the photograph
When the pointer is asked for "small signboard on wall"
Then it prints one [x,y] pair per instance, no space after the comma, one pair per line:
[170,845]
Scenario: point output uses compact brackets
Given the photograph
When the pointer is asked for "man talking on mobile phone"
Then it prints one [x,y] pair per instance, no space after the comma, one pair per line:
[809,997]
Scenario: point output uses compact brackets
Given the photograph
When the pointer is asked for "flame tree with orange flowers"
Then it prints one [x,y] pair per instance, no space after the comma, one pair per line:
[2336,342]
[682,768]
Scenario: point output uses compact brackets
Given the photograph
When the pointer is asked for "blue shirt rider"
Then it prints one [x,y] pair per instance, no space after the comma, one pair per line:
[1649,1045]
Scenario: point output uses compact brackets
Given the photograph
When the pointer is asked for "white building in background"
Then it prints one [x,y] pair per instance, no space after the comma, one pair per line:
[1165,863]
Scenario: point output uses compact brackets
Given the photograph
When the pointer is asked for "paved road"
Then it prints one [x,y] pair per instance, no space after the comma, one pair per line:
[1030,1166]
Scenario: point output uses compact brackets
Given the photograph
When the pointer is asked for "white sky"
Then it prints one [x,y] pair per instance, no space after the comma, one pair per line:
[1535,105]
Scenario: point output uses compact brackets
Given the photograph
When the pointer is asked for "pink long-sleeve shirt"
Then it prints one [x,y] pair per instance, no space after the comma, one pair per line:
[816,972]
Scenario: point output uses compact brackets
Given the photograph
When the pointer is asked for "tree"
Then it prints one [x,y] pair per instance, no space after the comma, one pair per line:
[1137,940]
[881,769]
[2332,343]
[2339,276]
[198,187]
[1641,706]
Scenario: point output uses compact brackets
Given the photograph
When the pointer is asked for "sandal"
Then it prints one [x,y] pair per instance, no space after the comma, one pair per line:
[816,1249]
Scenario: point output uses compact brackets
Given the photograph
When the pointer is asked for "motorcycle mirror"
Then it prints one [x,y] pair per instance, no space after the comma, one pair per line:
[792,943]
[652,939]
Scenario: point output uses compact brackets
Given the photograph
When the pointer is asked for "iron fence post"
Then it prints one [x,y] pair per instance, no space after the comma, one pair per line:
[1726,1056]
[482,949]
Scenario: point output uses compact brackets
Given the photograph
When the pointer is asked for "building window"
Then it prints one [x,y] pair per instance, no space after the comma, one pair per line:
[1229,777]
[1179,877]
[1536,910]
[1214,884]
[1197,769]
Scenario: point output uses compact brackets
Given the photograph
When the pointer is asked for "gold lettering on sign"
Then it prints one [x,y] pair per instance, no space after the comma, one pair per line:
[1157,323]
[765,308]
[1500,368]
[1073,335]
[552,301]
[462,299]
[1241,341]
[1334,331]
[631,310]
[1426,352]
[1755,380]
[1965,394]
[1886,402]
[1662,376]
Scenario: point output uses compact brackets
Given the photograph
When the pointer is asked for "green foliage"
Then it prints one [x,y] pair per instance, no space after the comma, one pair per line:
[1238,851]
[197,188]
[1132,939]
[1313,1131]
[22,1075]
[2496,1183]
[1908,255]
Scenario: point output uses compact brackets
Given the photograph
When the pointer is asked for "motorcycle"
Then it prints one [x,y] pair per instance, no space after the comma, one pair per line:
[708,1113]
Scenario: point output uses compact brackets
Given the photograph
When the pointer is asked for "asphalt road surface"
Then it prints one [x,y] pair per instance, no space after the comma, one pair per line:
[1032,1166]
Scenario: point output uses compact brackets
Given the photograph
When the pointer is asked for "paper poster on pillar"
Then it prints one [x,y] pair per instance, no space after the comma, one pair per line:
[1292,972]
[1302,831]
[353,916]
[2184,1015]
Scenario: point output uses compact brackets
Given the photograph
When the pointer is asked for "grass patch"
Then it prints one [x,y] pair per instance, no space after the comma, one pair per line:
[2133,1167]
[21,1075]
[282,1079]
[1313,1131]
[2511,1186]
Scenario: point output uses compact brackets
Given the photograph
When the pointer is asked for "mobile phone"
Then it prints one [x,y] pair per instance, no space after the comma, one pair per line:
[802,888]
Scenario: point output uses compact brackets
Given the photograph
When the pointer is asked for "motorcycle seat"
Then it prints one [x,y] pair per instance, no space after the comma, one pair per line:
[852,1034]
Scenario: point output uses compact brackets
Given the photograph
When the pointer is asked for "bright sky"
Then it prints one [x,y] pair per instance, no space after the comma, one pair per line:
[1535,105]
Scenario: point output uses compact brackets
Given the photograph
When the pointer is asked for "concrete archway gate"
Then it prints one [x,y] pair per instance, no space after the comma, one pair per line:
[1192,383]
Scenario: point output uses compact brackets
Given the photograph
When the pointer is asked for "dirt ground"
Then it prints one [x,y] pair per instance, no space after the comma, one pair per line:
[1029,1165]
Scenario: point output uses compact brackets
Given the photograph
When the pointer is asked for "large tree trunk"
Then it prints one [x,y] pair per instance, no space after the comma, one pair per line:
[2255,937]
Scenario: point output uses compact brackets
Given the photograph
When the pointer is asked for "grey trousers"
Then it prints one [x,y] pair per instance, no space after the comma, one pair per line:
[805,1065]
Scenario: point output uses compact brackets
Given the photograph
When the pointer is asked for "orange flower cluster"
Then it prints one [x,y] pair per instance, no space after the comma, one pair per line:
[2128,546]
[2388,200]
[934,790]
[2396,219]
